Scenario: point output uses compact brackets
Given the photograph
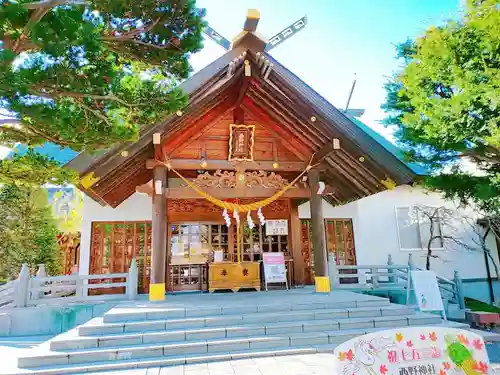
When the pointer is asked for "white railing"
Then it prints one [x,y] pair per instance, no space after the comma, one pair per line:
[371,277]
[56,290]
[390,277]
[7,294]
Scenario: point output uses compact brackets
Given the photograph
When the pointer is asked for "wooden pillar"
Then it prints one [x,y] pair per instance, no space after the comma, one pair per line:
[159,229]
[321,280]
[296,232]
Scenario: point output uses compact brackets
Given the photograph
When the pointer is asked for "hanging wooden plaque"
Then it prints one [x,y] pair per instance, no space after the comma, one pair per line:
[241,142]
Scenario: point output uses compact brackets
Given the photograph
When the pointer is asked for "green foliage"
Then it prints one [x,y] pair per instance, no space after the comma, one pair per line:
[89,74]
[475,305]
[446,103]
[34,168]
[27,231]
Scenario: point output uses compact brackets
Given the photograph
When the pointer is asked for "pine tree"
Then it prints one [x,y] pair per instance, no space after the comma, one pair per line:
[89,74]
[27,231]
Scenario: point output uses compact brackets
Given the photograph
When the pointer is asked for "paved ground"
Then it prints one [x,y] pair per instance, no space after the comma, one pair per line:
[309,364]
[320,364]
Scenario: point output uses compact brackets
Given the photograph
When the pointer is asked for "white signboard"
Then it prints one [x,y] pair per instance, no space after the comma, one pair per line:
[427,291]
[274,268]
[276,227]
[218,256]
[413,351]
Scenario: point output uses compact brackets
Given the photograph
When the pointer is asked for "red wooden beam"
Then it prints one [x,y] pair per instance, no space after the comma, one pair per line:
[192,131]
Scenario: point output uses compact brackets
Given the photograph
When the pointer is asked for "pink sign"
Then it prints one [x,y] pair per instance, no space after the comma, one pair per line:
[274,258]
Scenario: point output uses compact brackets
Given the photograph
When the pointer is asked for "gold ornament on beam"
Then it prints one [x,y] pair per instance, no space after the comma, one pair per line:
[388,183]
[89,180]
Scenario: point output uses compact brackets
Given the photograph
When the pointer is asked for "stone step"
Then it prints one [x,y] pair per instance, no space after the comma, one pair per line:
[125,364]
[159,312]
[324,334]
[68,342]
[97,326]
[162,362]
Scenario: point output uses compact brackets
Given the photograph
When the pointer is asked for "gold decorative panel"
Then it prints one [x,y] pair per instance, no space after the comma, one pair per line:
[241,142]
[228,179]
[234,276]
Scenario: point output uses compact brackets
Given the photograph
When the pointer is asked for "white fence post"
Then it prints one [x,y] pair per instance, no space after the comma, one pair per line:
[78,282]
[411,263]
[459,289]
[42,272]
[374,275]
[332,271]
[22,284]
[132,280]
[390,262]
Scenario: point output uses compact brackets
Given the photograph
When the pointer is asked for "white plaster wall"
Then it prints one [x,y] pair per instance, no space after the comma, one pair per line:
[137,207]
[374,223]
[376,233]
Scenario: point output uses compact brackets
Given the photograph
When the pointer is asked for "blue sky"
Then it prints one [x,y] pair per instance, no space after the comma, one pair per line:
[342,37]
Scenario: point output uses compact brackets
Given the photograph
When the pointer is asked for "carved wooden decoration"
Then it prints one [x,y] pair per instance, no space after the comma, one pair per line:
[191,206]
[228,179]
[241,142]
[201,206]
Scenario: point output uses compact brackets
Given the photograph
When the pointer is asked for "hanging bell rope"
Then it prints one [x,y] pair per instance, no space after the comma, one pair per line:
[242,207]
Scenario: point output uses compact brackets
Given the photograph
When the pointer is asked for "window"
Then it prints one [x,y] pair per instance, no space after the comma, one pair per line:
[414,227]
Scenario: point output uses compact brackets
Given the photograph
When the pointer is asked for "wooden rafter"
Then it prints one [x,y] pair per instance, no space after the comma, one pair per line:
[287,139]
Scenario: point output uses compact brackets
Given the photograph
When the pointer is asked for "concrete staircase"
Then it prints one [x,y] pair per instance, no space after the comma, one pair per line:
[219,327]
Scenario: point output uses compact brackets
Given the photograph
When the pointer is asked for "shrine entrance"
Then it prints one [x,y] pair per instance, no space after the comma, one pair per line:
[253,143]
[194,245]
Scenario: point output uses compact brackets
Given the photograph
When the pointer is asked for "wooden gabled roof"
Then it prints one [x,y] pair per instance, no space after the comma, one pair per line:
[305,122]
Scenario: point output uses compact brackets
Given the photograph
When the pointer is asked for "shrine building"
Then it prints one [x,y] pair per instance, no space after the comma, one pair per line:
[202,196]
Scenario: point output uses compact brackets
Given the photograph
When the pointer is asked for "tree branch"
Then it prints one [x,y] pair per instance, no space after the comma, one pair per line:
[52,95]
[51,3]
[48,137]
[17,134]
[134,33]
[94,112]
[37,15]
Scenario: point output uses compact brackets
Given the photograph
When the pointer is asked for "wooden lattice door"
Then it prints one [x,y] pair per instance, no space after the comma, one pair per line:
[114,244]
[340,243]
[306,235]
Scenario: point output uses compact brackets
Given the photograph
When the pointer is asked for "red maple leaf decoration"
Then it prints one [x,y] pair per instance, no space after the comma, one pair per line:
[446,365]
[462,339]
[475,365]
[442,372]
[483,367]
[409,344]
[433,336]
[349,355]
[422,337]
[477,344]
[383,369]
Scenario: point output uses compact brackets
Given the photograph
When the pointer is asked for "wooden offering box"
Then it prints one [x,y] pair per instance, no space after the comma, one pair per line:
[234,276]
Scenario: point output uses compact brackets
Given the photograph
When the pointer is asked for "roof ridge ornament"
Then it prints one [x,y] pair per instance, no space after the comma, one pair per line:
[250,27]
